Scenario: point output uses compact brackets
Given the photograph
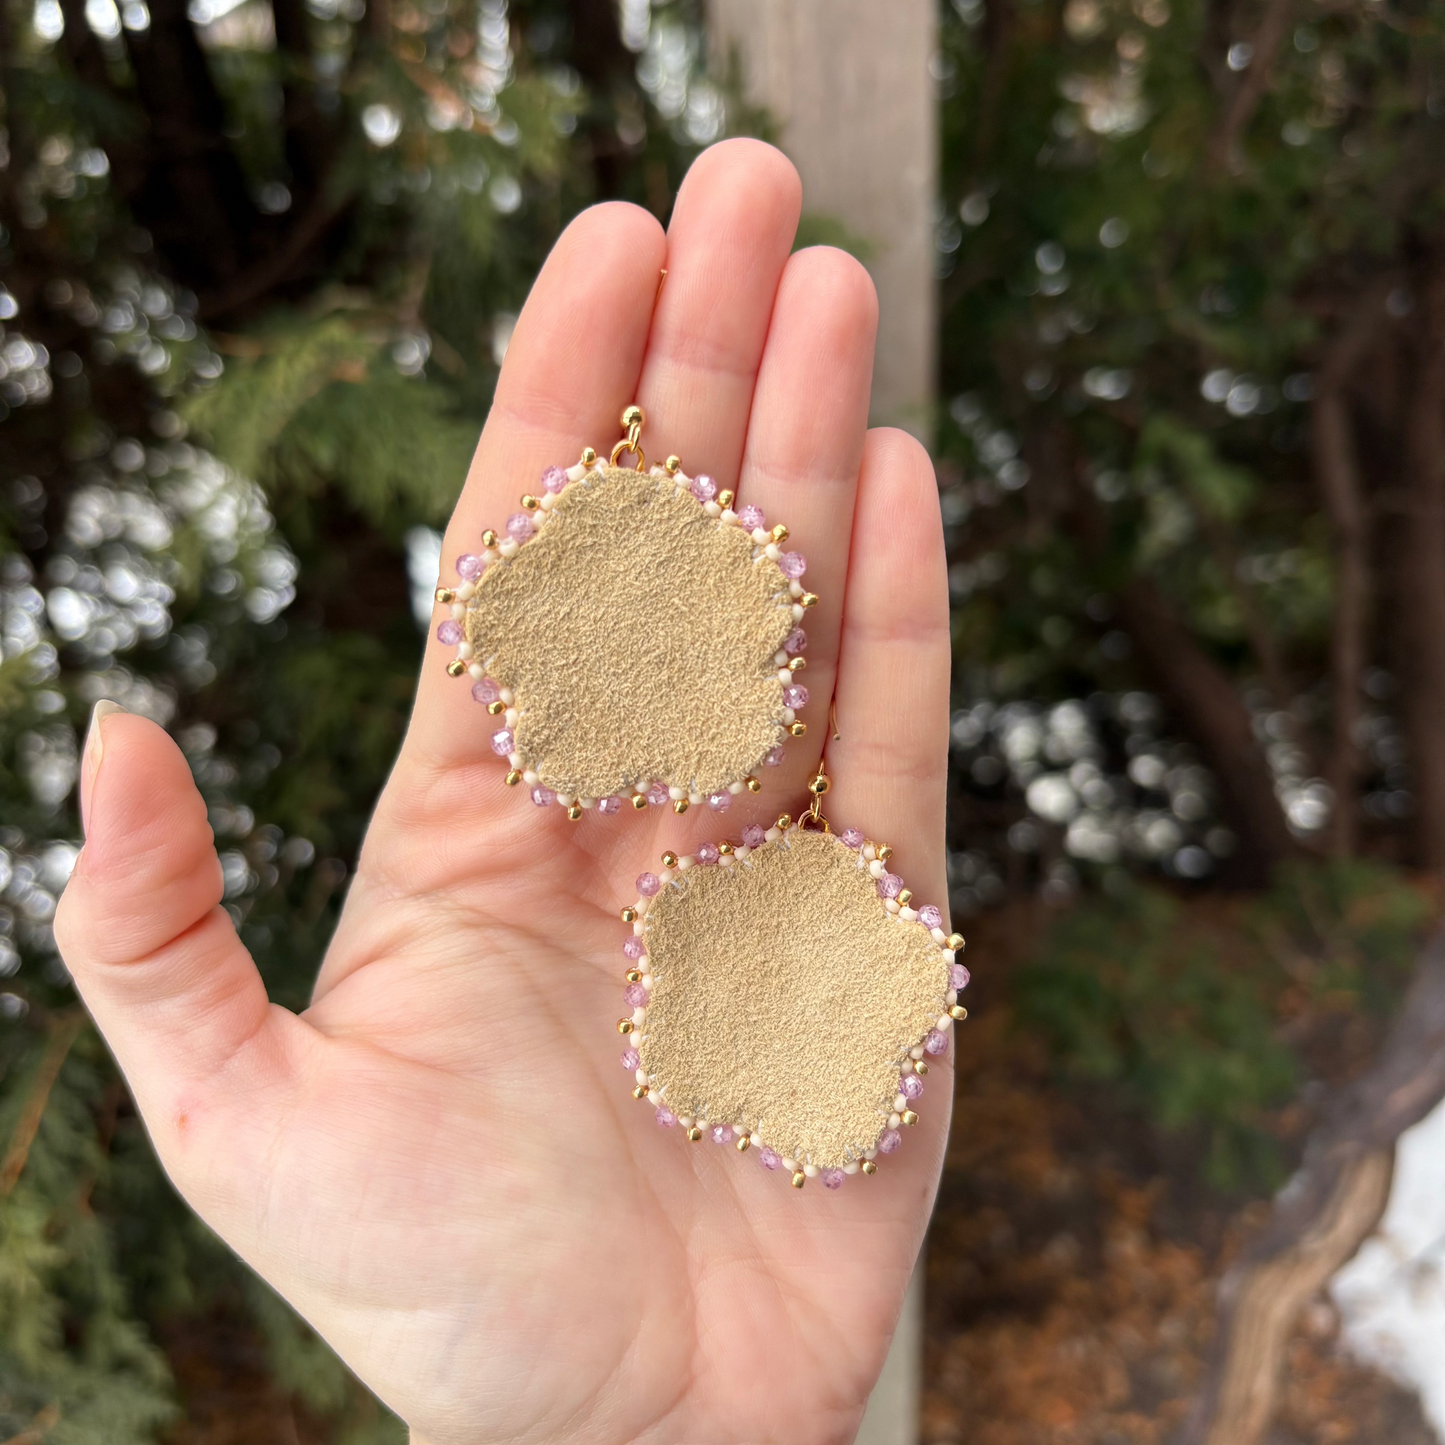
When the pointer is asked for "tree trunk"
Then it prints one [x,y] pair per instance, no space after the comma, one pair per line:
[1320,1220]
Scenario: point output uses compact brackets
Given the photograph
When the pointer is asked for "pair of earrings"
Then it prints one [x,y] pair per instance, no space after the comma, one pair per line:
[641,642]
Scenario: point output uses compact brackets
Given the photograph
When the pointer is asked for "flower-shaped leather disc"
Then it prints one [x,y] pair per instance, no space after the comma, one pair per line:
[784,995]
[638,636]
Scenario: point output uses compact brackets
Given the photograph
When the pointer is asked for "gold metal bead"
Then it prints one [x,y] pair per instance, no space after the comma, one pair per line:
[445,594]
[724,849]
[633,975]
[529,502]
[954,942]
[905,898]
[574,812]
[780,533]
[753,785]
[629,915]
[513,778]
[489,538]
[624,1026]
[743,1143]
[456,667]
[640,1092]
[588,456]
[669,859]
[909,1117]
[725,499]
[639,801]
[921,1068]
[679,806]
[819,785]
[885,852]
[808,599]
[799,1179]
[798,729]
[869,1167]
[785,821]
[633,416]
[497,708]
[958,1012]
[694,1133]
[671,465]
[797,664]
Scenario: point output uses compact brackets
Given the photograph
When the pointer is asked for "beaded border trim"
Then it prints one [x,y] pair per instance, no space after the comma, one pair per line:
[913,1068]
[501,701]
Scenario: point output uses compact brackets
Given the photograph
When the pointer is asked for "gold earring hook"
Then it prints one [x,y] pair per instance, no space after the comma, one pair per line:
[820,782]
[632,421]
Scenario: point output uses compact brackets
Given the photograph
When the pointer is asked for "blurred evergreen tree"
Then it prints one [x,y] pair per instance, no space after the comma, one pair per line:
[260,263]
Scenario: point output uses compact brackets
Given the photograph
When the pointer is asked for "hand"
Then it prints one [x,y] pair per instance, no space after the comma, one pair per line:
[440,1163]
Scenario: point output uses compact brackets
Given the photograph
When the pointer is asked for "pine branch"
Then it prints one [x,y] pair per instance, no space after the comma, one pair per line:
[64,1032]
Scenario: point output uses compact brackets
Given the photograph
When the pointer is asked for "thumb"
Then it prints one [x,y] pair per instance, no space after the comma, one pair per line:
[141,928]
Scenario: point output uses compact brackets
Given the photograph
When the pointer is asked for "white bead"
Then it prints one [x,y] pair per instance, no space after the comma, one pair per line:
[728,516]
[870,1153]
[741,851]
[772,552]
[530,778]
[789,715]
[712,509]
[489,555]
[797,612]
[790,1165]
[951,997]
[735,788]
[565,799]
[916,1054]
[683,864]
[757,1139]
[641,1076]
[894,1121]
[464,651]
[900,1103]
[509,548]
[514,760]
[877,868]
[795,589]
[725,859]
[906,1067]
[908,915]
[891,904]
[780,658]
[677,794]
[511,717]
[639,1015]
[685,1120]
[784,675]
[870,853]
[939,936]
[588,802]
[772,835]
[458,611]
[647,980]
[694,798]
[576,473]
[811,1170]
[948,956]
[945,1022]
[637,928]
[507,696]
[466,592]
[654,1098]
[477,671]
[639,787]
[851,1167]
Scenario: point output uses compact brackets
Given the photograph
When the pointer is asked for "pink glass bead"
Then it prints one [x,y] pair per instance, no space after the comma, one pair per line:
[634,948]
[486,691]
[635,995]
[666,1118]
[911,1086]
[503,743]
[795,695]
[721,1134]
[833,1178]
[608,806]
[720,802]
[704,488]
[773,756]
[851,838]
[751,518]
[553,480]
[769,1158]
[519,526]
[470,566]
[543,797]
[754,836]
[890,885]
[450,632]
[890,1141]
[797,641]
[958,976]
[648,884]
[631,1060]
[707,853]
[930,916]
[936,1042]
[657,795]
[794,564]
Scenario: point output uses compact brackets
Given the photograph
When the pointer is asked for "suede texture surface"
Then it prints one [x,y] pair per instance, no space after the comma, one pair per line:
[638,636]
[785,997]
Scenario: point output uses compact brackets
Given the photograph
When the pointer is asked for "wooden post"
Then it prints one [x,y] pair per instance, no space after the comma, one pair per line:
[847,82]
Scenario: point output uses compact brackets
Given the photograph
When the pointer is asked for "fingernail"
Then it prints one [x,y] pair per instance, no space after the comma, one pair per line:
[94,751]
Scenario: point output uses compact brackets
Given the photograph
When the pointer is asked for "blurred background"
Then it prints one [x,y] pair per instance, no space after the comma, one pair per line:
[1164,289]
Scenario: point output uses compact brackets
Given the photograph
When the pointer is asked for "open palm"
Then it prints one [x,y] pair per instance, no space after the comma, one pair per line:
[440,1163]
